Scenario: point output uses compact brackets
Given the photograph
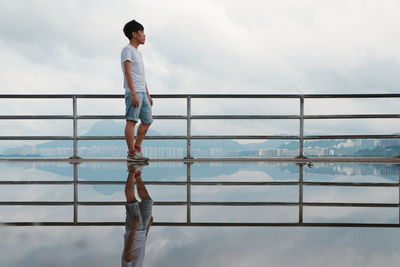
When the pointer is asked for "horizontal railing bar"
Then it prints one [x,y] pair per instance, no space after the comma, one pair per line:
[351,96]
[217,137]
[355,184]
[350,184]
[280,224]
[204,117]
[311,204]
[239,117]
[204,95]
[333,116]
[39,96]
[195,183]
[161,137]
[209,224]
[353,116]
[315,137]
[36,138]
[84,117]
[36,203]
[121,117]
[183,203]
[291,137]
[99,117]
[152,95]
[342,204]
[205,137]
[199,137]
[36,117]
[36,182]
[64,96]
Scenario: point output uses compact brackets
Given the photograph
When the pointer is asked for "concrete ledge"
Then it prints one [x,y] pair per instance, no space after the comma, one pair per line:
[294,160]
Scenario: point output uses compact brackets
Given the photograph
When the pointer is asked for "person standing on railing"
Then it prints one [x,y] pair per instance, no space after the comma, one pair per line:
[138,102]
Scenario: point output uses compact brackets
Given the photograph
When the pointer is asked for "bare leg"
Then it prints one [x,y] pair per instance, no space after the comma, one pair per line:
[141,188]
[130,188]
[130,134]
[142,130]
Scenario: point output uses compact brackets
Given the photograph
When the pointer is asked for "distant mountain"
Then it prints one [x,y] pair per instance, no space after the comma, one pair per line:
[100,128]
[106,127]
[113,128]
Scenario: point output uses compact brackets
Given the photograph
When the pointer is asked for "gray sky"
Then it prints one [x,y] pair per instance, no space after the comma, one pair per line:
[212,46]
[208,46]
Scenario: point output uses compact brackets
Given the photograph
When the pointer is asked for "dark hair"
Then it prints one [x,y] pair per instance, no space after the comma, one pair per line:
[132,26]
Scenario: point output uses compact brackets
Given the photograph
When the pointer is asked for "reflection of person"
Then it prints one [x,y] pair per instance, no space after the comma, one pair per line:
[138,102]
[138,217]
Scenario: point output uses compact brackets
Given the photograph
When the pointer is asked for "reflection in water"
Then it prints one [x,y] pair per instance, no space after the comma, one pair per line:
[204,194]
[138,216]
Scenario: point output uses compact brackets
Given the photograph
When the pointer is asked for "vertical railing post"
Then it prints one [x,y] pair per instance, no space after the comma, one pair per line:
[75,128]
[75,164]
[301,133]
[398,169]
[188,192]
[188,127]
[301,179]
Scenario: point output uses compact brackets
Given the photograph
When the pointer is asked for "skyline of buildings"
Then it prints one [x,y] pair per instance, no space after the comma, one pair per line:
[347,147]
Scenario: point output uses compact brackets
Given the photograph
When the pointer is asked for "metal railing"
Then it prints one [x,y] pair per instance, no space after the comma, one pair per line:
[301,117]
[300,204]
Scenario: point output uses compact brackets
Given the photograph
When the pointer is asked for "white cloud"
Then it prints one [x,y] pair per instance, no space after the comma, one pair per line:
[210,46]
[207,46]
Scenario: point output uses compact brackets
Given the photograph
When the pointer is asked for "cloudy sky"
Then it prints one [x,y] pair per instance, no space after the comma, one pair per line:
[207,46]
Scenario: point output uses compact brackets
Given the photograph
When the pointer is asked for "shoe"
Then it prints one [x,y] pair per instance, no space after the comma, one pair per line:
[137,156]
[136,166]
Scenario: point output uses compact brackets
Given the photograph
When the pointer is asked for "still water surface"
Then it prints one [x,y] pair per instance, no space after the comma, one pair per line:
[204,245]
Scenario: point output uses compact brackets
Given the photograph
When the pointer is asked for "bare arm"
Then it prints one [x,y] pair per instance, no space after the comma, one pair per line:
[148,95]
[128,256]
[129,79]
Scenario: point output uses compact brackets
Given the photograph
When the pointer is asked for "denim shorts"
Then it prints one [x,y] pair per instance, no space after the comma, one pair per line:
[141,209]
[142,112]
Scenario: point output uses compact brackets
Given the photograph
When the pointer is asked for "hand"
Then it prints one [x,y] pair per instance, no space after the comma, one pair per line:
[151,220]
[150,100]
[135,100]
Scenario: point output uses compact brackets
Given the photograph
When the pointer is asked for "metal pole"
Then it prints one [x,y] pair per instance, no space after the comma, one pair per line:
[301,145]
[188,192]
[75,192]
[75,128]
[188,128]
[301,179]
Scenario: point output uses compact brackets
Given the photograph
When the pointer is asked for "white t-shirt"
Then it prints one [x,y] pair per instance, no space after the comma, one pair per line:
[138,250]
[129,53]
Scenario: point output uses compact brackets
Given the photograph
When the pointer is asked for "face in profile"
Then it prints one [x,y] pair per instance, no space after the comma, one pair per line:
[139,36]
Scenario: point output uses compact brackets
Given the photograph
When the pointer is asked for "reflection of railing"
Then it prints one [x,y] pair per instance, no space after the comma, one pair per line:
[301,117]
[189,203]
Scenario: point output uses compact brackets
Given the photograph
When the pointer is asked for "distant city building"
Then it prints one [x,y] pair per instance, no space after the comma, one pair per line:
[390,143]
[277,152]
[319,152]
